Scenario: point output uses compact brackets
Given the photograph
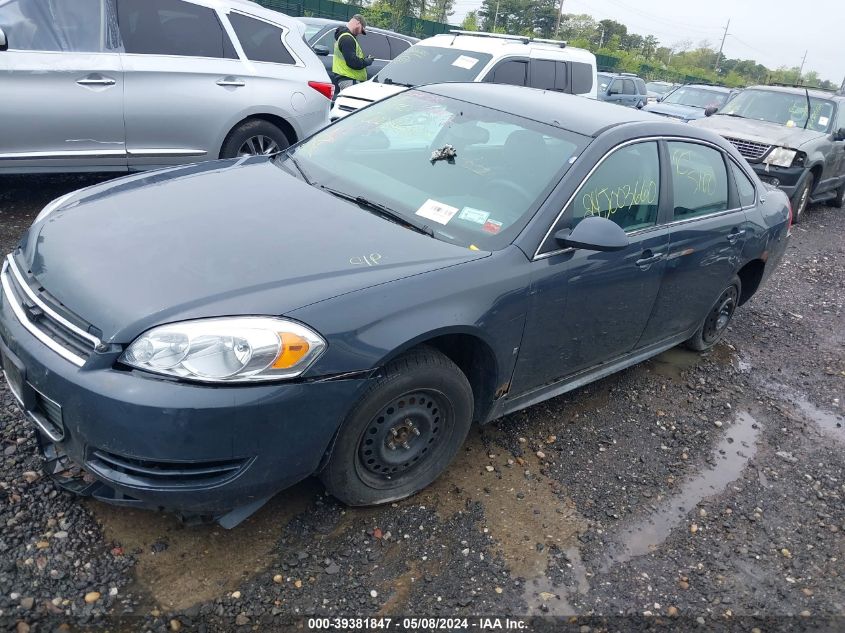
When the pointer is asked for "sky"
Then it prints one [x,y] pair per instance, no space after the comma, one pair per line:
[773,32]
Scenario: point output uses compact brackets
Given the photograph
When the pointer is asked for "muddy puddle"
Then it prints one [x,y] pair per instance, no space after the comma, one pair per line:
[732,454]
[831,424]
[525,513]
[180,566]
[674,362]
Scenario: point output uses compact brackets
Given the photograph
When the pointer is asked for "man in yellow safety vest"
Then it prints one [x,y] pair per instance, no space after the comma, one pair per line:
[349,64]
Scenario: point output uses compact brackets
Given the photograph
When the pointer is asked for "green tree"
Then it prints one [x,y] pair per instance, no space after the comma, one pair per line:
[470,22]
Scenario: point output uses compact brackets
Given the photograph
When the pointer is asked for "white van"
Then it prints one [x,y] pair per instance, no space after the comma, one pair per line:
[470,56]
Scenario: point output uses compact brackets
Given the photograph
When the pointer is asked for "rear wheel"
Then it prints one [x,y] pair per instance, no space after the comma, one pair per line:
[254,138]
[718,318]
[839,200]
[801,199]
[404,431]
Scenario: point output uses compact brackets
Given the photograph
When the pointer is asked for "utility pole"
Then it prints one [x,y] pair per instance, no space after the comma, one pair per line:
[601,39]
[719,56]
[801,70]
[559,14]
[496,17]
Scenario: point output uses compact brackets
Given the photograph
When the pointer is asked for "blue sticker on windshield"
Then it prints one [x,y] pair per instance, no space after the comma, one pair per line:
[473,215]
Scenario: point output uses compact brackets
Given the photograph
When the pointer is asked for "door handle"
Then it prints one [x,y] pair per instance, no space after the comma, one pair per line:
[648,259]
[734,236]
[232,82]
[96,80]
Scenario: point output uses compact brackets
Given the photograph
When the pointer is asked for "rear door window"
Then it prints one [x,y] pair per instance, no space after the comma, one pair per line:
[510,72]
[261,41]
[562,77]
[628,87]
[55,25]
[699,180]
[397,46]
[374,44]
[543,74]
[172,27]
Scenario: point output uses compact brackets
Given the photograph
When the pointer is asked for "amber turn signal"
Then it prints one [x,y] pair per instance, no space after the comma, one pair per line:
[294,349]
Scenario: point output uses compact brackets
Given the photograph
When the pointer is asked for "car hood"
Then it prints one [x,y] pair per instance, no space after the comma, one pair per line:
[759,131]
[675,110]
[234,237]
[371,91]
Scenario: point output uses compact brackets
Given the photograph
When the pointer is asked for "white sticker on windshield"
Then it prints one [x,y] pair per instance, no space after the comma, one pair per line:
[465,61]
[437,211]
[473,215]
[823,120]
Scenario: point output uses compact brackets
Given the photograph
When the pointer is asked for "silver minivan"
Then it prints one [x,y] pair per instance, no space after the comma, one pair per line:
[120,85]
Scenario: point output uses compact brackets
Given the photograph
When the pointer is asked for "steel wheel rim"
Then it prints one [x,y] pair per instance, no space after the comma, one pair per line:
[402,436]
[720,316]
[259,145]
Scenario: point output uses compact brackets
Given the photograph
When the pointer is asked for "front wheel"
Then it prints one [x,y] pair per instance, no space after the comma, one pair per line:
[801,199]
[839,200]
[403,433]
[718,318]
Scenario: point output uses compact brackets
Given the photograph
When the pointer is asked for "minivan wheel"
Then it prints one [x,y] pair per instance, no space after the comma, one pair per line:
[801,199]
[403,432]
[718,318]
[254,138]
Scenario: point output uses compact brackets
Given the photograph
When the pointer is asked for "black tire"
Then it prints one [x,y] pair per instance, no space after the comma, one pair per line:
[718,318]
[839,200]
[426,398]
[240,138]
[801,198]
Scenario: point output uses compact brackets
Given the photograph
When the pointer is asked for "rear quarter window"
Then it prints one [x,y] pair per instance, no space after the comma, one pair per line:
[582,78]
[261,41]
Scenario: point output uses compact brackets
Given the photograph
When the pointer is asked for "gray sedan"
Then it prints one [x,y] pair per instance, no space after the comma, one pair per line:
[117,85]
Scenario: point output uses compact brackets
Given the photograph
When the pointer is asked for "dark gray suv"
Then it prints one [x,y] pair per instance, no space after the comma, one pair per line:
[793,137]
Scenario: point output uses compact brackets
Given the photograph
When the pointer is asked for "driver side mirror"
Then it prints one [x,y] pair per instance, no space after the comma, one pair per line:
[839,135]
[711,111]
[4,43]
[593,233]
[320,50]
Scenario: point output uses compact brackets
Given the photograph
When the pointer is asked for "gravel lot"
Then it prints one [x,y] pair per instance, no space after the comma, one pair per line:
[706,491]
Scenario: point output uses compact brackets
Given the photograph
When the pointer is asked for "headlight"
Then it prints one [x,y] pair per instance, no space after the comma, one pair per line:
[780,157]
[230,349]
[52,206]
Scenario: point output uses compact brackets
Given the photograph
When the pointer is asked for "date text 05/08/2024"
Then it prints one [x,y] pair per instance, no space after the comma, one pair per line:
[412,624]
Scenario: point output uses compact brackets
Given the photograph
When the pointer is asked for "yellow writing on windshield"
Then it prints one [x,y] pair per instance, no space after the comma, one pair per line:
[607,201]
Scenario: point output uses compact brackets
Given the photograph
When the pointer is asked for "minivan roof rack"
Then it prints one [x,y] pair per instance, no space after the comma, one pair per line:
[504,36]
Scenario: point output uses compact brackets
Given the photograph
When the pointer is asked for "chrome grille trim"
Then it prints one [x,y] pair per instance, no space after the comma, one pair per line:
[749,149]
[47,309]
[29,325]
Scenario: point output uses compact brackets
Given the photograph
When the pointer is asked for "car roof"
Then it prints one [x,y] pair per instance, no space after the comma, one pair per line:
[501,46]
[820,94]
[328,22]
[709,87]
[554,108]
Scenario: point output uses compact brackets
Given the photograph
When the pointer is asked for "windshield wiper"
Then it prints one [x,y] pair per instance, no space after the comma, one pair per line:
[388,80]
[299,168]
[380,209]
[733,114]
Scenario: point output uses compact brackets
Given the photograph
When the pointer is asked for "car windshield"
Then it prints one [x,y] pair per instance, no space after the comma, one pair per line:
[697,97]
[659,88]
[465,173]
[783,108]
[428,64]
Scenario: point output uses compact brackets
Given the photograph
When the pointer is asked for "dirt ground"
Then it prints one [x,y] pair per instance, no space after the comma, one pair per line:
[691,491]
